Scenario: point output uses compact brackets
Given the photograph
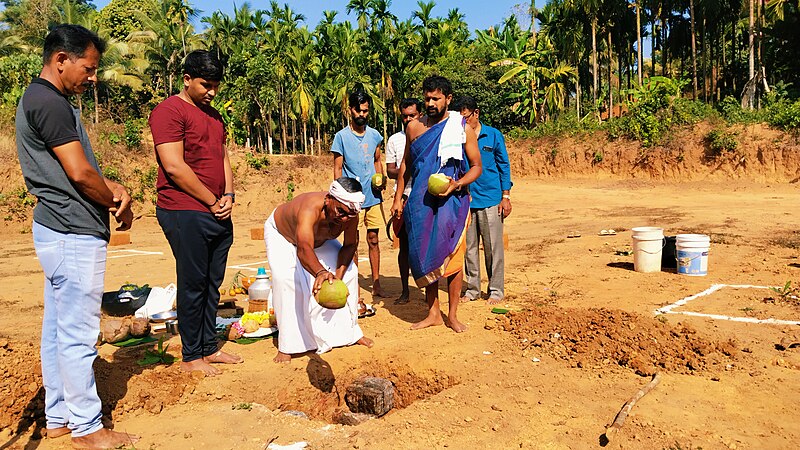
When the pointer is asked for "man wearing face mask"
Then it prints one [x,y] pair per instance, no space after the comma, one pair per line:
[410,109]
[357,154]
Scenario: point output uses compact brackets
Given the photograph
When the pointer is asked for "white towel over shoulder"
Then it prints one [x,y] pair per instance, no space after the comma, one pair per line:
[453,138]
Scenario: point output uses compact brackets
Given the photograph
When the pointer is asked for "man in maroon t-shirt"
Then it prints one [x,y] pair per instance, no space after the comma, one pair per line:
[195,199]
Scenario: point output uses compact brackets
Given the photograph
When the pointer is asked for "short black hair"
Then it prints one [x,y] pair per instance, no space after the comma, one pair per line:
[466,102]
[437,83]
[358,98]
[73,40]
[406,102]
[203,64]
[349,184]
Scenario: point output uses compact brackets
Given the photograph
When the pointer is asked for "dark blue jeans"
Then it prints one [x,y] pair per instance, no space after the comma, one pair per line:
[200,245]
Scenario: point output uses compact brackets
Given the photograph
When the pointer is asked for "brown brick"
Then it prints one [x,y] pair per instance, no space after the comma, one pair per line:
[119,238]
[257,234]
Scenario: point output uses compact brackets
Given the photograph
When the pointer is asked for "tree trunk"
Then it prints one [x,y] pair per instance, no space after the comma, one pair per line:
[653,37]
[638,43]
[704,63]
[610,79]
[305,138]
[694,51]
[578,92]
[533,22]
[663,38]
[96,104]
[751,56]
[594,63]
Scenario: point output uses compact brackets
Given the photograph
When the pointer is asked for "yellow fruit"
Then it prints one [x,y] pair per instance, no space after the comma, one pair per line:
[232,292]
[378,180]
[438,183]
[332,295]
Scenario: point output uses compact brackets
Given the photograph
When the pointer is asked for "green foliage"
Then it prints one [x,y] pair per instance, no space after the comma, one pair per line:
[242,406]
[133,132]
[256,162]
[785,115]
[112,173]
[785,291]
[113,138]
[16,72]
[21,197]
[598,157]
[564,125]
[157,355]
[121,17]
[720,141]
[147,184]
[732,112]
[290,188]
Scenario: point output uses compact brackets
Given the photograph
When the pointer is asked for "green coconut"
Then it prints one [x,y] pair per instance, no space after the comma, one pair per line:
[378,180]
[332,295]
[438,184]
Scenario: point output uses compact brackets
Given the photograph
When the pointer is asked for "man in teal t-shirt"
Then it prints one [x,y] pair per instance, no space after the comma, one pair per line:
[357,154]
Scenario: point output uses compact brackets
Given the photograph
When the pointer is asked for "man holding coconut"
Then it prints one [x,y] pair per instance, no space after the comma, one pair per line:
[304,253]
[357,154]
[438,148]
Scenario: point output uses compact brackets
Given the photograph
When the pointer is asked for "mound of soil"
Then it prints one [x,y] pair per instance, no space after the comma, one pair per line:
[597,336]
[21,392]
[123,385]
[126,387]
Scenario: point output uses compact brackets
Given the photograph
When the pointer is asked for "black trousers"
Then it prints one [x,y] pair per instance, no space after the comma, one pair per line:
[200,245]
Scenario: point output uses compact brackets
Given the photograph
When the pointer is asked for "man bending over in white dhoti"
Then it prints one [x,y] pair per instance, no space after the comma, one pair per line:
[303,253]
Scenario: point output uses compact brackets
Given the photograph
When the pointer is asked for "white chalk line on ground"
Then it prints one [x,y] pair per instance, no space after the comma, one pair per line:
[255,265]
[714,288]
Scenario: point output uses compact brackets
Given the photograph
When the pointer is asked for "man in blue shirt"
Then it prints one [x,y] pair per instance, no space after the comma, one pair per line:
[490,205]
[357,154]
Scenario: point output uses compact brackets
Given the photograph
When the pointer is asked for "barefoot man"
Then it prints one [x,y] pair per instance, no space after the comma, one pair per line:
[436,225]
[303,253]
[195,201]
[70,233]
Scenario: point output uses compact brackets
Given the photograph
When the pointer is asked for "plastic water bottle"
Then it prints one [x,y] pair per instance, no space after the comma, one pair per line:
[259,292]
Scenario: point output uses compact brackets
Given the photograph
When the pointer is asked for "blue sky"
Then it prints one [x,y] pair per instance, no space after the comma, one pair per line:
[478,14]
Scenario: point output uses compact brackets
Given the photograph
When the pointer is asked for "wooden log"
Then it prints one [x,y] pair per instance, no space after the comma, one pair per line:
[626,408]
[370,395]
[257,234]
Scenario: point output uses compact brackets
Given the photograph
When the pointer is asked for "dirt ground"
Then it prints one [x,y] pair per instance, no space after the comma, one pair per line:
[581,338]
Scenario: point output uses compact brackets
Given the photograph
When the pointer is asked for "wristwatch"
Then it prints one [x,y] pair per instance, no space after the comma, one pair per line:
[231,195]
[507,197]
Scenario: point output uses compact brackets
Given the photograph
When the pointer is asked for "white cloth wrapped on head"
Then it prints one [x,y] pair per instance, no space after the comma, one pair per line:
[352,200]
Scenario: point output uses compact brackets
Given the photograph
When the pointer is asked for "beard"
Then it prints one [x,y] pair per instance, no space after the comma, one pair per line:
[360,121]
[435,113]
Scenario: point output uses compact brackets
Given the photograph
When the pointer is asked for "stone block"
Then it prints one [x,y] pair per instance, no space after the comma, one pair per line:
[370,395]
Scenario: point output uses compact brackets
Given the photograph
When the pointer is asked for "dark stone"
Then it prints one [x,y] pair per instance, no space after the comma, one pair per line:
[370,395]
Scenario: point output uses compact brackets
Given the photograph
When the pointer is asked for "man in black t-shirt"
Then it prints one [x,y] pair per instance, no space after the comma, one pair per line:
[70,232]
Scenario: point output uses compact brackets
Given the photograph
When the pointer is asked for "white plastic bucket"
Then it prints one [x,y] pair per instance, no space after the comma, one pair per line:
[648,242]
[691,252]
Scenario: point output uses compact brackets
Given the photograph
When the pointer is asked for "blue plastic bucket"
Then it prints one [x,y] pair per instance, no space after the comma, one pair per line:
[691,254]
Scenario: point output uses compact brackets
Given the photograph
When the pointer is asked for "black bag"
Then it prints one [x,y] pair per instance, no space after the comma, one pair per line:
[125,301]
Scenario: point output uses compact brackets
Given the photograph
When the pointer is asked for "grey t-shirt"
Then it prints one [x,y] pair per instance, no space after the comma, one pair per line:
[46,119]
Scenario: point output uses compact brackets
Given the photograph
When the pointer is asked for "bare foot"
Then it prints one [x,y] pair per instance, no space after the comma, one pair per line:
[377,291]
[223,358]
[428,322]
[403,299]
[201,365]
[494,301]
[457,326]
[466,299]
[282,358]
[365,341]
[52,433]
[103,439]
